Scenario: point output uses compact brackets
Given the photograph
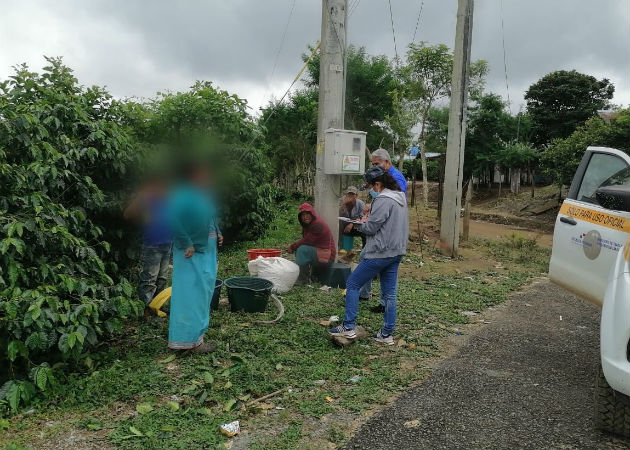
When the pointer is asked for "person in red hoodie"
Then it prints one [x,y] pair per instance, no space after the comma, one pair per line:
[317,248]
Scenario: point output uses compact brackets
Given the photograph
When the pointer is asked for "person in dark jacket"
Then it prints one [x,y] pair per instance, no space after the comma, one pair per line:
[317,248]
[387,231]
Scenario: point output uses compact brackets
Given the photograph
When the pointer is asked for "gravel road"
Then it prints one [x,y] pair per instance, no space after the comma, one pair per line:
[523,381]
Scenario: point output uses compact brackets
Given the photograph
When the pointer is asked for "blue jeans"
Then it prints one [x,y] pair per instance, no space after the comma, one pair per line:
[155,262]
[387,269]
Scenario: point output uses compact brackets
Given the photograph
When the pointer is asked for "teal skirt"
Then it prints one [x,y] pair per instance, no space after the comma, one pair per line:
[193,285]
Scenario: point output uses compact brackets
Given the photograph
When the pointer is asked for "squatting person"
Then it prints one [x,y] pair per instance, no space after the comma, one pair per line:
[316,249]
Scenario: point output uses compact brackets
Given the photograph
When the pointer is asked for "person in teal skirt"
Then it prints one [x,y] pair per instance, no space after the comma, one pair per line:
[195,232]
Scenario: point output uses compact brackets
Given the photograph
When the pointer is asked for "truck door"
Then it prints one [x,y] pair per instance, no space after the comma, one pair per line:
[587,236]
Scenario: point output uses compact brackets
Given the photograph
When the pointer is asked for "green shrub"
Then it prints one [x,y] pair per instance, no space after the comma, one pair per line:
[64,159]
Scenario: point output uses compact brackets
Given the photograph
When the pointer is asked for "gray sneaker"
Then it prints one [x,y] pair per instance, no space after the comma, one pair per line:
[343,332]
[383,339]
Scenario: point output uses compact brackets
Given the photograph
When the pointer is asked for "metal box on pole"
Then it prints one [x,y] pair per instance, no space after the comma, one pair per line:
[344,152]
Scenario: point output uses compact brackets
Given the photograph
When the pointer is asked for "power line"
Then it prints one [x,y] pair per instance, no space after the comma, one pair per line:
[417,22]
[507,86]
[353,7]
[391,18]
[284,35]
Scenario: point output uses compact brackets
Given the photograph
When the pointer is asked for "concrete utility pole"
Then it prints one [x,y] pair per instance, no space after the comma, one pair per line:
[332,95]
[452,201]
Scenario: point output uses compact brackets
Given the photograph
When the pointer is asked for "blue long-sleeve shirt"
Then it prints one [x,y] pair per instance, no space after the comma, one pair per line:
[399,177]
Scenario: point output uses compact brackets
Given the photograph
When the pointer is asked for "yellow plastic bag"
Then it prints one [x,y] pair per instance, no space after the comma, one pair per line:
[159,300]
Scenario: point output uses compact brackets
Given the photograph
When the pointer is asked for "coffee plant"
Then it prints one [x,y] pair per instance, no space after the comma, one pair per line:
[65,154]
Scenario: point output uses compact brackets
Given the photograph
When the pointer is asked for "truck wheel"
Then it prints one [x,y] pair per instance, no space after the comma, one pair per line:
[613,408]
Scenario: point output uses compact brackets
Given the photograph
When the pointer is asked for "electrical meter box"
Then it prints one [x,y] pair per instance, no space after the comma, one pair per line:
[344,152]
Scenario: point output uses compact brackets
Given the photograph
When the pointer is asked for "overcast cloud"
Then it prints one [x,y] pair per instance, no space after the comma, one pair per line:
[137,48]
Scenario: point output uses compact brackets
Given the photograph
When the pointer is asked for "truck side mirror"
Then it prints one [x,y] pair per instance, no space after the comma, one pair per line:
[616,198]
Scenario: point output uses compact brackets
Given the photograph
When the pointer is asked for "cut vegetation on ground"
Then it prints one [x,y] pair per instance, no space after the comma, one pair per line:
[140,395]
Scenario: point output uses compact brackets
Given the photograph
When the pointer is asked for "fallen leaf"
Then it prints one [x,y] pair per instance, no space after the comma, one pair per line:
[401,343]
[329,399]
[412,423]
[135,431]
[244,324]
[372,356]
[173,406]
[229,404]
[208,378]
[245,397]
[279,366]
[412,346]
[168,359]
[144,408]
[227,385]
[325,323]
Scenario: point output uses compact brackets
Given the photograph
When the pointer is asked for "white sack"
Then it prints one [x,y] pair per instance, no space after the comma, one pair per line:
[281,272]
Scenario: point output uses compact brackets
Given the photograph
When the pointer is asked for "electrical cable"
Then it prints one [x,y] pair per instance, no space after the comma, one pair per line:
[507,87]
[282,40]
[391,17]
[417,22]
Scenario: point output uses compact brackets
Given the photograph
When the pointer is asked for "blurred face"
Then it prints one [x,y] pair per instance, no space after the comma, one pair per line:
[378,186]
[376,161]
[351,198]
[199,176]
[306,218]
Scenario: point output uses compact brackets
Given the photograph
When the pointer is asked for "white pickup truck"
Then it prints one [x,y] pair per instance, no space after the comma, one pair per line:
[590,257]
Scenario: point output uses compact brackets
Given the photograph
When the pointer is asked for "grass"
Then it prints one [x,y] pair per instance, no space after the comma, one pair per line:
[138,398]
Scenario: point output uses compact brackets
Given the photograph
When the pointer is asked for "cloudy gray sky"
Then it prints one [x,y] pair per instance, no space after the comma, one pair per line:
[137,48]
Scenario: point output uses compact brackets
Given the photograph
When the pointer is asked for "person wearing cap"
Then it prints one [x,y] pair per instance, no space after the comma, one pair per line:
[387,232]
[351,207]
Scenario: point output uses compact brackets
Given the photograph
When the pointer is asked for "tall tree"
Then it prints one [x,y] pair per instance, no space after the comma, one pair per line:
[561,101]
[490,127]
[290,134]
[563,156]
[428,74]
[369,82]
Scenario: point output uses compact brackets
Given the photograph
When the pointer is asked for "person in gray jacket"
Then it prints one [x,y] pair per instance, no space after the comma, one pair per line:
[387,232]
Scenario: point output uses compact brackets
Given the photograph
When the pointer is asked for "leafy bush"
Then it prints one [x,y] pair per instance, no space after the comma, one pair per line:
[215,125]
[561,159]
[64,156]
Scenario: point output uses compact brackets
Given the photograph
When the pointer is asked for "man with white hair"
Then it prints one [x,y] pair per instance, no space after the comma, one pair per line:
[380,157]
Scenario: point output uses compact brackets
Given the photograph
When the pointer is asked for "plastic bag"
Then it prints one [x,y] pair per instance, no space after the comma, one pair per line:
[281,272]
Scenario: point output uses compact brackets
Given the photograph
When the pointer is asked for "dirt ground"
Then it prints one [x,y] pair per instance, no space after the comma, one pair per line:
[523,381]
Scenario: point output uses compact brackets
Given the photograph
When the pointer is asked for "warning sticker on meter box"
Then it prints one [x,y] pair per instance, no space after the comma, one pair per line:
[607,220]
[351,163]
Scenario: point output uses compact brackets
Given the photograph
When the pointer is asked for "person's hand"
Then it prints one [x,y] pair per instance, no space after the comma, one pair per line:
[220,239]
[366,209]
[189,252]
[348,228]
[289,249]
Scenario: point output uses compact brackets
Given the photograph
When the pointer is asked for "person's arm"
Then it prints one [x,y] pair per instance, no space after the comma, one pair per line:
[358,210]
[311,237]
[379,213]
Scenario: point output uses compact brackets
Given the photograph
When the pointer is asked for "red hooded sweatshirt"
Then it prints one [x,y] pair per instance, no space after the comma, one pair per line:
[318,235]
